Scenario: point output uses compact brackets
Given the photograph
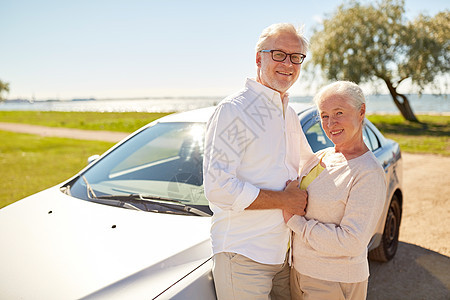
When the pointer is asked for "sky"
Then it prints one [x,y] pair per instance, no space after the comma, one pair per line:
[122,49]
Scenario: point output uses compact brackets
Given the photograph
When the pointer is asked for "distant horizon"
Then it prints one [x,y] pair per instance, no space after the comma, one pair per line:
[380,103]
[195,97]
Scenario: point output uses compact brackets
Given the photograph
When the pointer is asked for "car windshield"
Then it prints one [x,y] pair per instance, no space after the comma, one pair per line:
[163,161]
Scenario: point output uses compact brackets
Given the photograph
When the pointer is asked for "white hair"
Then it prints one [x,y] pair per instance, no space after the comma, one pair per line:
[276,29]
[349,90]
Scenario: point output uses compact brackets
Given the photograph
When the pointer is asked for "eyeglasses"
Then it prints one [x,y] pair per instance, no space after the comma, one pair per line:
[278,55]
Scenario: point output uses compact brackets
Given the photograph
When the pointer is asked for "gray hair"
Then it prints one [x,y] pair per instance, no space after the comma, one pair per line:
[276,29]
[349,90]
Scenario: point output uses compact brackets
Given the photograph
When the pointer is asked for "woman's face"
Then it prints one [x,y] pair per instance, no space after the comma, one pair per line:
[341,121]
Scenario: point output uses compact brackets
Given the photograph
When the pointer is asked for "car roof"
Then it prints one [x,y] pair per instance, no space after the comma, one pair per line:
[203,114]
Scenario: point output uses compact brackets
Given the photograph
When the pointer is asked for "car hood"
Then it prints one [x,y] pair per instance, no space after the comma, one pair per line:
[58,247]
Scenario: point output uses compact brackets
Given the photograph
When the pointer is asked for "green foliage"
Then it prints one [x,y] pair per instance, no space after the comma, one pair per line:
[363,42]
[31,163]
[124,122]
[430,48]
[4,87]
[373,42]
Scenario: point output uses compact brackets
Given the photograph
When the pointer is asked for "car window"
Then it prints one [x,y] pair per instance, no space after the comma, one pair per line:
[164,160]
[317,138]
[370,139]
[366,139]
[162,148]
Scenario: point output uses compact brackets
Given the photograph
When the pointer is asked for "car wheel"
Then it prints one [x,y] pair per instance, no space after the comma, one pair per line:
[389,241]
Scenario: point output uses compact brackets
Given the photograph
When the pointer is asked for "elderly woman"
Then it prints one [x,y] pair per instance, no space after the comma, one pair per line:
[346,191]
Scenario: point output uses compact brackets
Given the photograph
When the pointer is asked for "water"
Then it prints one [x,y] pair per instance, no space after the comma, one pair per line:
[427,104]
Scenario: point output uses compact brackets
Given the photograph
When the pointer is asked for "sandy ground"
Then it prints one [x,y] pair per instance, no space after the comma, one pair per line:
[421,267]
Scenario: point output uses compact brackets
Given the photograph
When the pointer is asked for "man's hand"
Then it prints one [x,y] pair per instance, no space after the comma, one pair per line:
[295,199]
[292,199]
[287,216]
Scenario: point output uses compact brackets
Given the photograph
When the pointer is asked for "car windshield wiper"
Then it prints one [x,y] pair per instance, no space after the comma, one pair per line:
[115,202]
[111,201]
[89,190]
[131,200]
[161,201]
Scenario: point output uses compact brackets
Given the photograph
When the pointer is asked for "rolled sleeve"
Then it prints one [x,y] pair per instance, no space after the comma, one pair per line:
[246,197]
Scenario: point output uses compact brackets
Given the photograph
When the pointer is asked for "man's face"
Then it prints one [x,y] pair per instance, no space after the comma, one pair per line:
[279,76]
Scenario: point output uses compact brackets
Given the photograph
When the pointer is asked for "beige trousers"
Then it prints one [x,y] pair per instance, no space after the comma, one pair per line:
[307,288]
[240,278]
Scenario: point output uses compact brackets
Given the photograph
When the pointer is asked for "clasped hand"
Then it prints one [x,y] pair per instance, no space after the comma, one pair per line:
[295,200]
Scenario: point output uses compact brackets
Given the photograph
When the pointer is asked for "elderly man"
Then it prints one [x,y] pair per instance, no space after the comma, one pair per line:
[254,144]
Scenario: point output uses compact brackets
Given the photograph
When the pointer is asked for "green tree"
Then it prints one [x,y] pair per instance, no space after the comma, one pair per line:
[368,43]
[4,86]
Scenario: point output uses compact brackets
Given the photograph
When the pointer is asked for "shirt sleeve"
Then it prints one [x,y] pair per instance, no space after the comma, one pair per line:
[224,148]
[350,237]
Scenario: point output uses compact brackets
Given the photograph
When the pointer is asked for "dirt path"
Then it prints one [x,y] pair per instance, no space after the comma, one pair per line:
[96,135]
[421,267]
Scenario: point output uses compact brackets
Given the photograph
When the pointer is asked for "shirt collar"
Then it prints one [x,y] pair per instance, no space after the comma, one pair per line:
[272,95]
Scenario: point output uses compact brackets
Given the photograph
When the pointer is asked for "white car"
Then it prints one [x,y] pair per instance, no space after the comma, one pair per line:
[134,224]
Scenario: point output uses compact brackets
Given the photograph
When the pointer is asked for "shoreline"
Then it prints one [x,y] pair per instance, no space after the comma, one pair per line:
[194,97]
[427,104]
[383,113]
[431,113]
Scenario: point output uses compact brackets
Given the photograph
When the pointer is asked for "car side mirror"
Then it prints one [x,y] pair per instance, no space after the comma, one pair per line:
[92,158]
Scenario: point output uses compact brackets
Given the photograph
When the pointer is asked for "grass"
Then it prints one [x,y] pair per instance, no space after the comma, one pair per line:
[124,122]
[431,135]
[30,163]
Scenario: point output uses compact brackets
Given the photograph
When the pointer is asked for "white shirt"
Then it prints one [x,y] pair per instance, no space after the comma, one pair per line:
[250,145]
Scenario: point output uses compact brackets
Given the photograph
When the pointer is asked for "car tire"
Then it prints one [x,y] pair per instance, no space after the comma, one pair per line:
[389,241]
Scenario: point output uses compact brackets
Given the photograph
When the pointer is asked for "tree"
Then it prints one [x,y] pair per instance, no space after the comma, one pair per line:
[4,86]
[368,43]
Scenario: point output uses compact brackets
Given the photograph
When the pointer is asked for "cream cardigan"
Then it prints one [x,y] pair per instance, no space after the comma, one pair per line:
[344,204]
